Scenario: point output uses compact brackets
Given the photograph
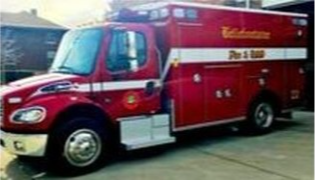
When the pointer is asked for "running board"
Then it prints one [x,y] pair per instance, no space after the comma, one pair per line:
[140,145]
[145,131]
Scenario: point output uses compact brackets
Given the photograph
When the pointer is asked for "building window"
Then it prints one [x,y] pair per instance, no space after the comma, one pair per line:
[50,57]
[7,35]
[51,38]
[11,53]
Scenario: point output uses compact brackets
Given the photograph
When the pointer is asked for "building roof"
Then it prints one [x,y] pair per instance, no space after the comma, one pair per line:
[305,6]
[25,19]
[284,3]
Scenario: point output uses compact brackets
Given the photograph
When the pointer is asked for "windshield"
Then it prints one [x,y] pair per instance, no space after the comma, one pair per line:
[78,51]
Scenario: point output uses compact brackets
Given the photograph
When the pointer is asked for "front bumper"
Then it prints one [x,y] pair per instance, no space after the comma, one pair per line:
[24,144]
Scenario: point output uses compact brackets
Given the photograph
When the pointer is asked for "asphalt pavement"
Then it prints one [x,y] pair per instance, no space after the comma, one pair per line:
[215,154]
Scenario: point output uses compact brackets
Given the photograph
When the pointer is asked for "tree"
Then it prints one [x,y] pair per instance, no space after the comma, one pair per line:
[10,53]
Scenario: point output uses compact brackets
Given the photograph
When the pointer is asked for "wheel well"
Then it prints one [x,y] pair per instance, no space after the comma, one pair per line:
[267,95]
[82,110]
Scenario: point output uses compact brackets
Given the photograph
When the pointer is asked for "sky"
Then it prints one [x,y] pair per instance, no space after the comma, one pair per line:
[63,12]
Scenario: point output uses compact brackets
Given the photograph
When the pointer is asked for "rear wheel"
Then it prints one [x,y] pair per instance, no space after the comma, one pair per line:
[261,117]
[79,145]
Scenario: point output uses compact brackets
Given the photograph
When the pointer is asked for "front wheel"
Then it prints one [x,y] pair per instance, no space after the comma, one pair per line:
[260,118]
[82,148]
[78,146]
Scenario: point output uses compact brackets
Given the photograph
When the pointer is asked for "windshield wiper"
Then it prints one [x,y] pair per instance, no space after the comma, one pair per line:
[68,69]
[64,69]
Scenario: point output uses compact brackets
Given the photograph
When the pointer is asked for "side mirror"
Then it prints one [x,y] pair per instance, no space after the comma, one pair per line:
[132,51]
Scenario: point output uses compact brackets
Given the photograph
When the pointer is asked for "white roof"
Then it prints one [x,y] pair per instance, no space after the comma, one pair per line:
[152,6]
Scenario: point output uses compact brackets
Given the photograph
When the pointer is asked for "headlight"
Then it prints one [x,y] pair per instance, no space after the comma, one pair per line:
[29,115]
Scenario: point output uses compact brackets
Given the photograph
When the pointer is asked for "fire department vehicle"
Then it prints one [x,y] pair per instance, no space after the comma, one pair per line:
[154,71]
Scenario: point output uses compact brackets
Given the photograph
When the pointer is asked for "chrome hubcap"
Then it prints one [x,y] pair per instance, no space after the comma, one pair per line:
[264,115]
[82,147]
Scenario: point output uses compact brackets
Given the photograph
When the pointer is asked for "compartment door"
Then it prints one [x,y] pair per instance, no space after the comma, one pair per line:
[192,99]
[222,92]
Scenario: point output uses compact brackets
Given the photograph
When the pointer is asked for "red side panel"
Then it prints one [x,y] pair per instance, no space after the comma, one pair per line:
[192,96]
[227,87]
[294,85]
[223,91]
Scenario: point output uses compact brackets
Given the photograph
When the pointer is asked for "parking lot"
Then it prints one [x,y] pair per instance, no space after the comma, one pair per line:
[216,153]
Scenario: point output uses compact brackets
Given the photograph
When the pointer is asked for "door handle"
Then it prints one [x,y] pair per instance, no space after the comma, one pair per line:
[149,88]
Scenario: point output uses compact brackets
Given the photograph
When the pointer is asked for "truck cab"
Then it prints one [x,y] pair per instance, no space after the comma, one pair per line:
[104,73]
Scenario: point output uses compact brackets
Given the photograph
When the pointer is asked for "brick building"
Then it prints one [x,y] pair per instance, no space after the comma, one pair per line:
[28,44]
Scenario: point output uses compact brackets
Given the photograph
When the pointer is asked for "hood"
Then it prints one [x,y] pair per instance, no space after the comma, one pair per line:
[28,86]
[41,79]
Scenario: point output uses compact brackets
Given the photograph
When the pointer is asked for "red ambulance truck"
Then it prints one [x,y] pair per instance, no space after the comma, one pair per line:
[156,70]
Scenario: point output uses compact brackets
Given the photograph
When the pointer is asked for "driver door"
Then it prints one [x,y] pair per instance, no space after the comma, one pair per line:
[132,67]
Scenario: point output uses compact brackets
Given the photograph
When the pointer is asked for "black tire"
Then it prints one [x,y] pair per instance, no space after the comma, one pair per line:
[28,159]
[79,146]
[260,118]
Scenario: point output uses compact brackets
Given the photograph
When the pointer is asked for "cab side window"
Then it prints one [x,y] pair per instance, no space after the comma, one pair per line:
[119,58]
[141,49]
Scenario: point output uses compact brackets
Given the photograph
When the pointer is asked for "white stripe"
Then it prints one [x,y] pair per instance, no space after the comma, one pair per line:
[97,86]
[83,88]
[125,85]
[196,55]
[204,55]
[116,86]
[296,53]
[189,24]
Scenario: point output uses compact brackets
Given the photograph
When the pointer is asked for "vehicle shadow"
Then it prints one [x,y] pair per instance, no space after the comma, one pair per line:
[25,168]
[214,135]
[209,136]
